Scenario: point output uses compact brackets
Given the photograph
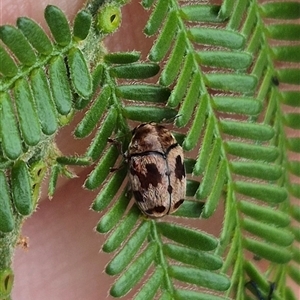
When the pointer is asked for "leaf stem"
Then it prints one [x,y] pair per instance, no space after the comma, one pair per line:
[160,258]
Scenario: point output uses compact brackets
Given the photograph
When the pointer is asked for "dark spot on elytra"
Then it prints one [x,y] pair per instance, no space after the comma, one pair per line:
[170,189]
[178,203]
[179,168]
[157,209]
[152,176]
[152,168]
[138,196]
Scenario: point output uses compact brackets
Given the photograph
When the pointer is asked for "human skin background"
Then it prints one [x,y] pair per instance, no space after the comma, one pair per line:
[64,260]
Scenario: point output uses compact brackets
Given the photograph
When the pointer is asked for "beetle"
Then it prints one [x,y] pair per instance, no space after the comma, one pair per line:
[156,170]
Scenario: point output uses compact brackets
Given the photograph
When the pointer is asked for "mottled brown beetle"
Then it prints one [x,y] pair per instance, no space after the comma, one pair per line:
[156,170]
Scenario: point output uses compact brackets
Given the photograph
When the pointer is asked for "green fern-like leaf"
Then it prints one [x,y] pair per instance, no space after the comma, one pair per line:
[240,86]
[41,81]
[39,102]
